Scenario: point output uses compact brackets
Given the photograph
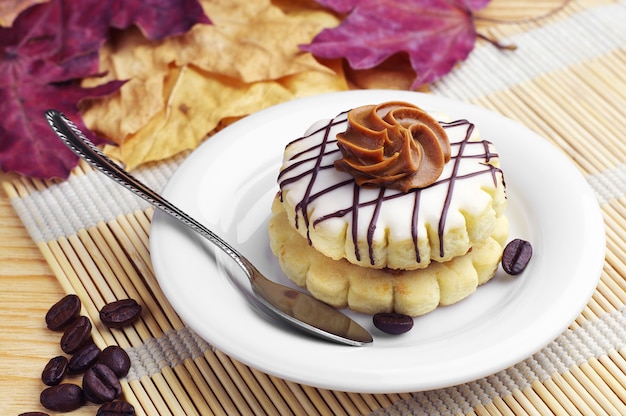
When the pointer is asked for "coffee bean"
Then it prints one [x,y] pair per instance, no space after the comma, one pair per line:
[76,335]
[120,313]
[63,312]
[54,372]
[33,414]
[101,385]
[393,323]
[62,397]
[116,409]
[84,358]
[516,256]
[116,359]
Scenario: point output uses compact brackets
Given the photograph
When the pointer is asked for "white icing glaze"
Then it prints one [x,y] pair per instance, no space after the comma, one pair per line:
[304,186]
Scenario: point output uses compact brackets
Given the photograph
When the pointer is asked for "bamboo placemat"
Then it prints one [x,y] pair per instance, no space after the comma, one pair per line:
[564,81]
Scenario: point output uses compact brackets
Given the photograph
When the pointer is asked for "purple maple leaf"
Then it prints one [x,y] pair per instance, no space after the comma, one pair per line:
[47,51]
[435,34]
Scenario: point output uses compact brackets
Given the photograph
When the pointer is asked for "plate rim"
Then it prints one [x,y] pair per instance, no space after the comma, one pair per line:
[364,387]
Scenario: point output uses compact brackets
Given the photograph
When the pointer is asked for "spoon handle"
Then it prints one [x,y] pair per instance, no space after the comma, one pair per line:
[318,318]
[86,150]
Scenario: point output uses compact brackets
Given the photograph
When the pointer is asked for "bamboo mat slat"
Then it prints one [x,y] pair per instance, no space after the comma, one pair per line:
[565,81]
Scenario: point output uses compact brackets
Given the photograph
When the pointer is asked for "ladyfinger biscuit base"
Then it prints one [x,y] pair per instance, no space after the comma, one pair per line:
[369,290]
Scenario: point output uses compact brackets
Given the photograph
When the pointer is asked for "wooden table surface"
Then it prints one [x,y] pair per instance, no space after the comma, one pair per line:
[28,289]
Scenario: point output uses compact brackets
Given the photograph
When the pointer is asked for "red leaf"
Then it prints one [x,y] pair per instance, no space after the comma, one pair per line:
[27,144]
[157,18]
[435,34]
[43,56]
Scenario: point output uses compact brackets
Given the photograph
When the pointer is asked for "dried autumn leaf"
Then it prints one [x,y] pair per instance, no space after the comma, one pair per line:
[10,9]
[435,34]
[44,54]
[41,154]
[157,19]
[196,104]
[253,40]
[182,87]
[145,64]
[36,73]
[198,101]
[249,41]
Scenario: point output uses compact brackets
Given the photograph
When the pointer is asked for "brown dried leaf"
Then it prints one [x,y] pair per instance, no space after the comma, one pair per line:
[253,40]
[180,88]
[199,100]
[145,64]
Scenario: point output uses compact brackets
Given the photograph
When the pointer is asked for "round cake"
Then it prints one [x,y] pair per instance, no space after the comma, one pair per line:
[394,209]
[411,292]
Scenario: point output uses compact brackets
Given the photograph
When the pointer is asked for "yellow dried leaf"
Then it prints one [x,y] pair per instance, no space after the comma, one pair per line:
[314,82]
[180,88]
[253,40]
[145,64]
[200,100]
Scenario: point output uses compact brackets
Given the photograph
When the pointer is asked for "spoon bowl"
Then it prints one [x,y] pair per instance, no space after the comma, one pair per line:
[282,302]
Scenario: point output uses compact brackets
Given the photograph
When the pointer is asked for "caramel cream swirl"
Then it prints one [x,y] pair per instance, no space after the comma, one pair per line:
[393,144]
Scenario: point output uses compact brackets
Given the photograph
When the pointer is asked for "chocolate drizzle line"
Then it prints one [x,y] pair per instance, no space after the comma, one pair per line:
[414,218]
[372,226]
[355,220]
[328,147]
[303,205]
[451,182]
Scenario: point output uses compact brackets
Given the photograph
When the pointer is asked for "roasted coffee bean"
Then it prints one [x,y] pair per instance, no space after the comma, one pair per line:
[116,359]
[54,372]
[516,256]
[116,409]
[62,397]
[76,335]
[120,313]
[84,358]
[101,385]
[63,312]
[33,414]
[393,323]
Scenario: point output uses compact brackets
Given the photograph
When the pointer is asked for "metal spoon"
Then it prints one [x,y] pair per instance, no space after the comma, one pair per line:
[295,307]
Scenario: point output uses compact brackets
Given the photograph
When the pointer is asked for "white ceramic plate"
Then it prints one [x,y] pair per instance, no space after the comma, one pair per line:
[228,184]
